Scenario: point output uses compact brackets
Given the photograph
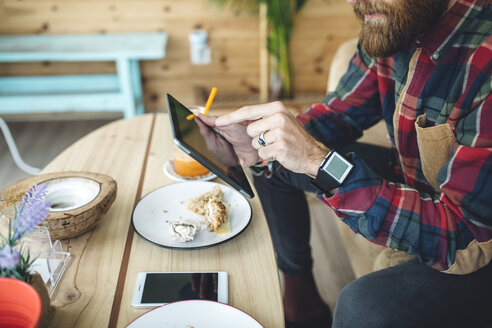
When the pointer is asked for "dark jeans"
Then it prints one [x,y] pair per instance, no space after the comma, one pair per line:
[408,295]
[414,295]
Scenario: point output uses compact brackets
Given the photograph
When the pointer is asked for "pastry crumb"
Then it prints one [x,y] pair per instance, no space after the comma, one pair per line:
[216,213]
[199,204]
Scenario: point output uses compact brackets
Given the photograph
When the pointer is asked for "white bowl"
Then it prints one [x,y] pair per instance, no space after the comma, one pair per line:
[69,193]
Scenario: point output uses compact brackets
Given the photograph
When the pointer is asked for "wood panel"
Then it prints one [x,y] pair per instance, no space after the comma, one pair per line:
[233,37]
[321,28]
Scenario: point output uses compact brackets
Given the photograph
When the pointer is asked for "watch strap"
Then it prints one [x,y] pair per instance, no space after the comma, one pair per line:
[324,182]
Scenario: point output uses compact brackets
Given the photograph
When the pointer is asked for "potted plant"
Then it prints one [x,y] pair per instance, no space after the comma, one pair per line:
[281,16]
[15,259]
[21,304]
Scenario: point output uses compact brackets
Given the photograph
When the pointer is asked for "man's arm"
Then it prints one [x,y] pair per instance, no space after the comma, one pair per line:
[353,107]
[432,227]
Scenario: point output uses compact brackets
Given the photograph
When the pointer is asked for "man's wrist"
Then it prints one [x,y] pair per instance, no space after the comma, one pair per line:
[316,160]
[332,173]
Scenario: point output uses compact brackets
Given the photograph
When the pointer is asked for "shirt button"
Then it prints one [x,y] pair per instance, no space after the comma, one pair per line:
[435,56]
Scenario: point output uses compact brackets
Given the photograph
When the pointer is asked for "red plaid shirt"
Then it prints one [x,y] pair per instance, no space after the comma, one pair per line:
[447,76]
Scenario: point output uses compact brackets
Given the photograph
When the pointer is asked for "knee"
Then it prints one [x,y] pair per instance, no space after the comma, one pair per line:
[358,305]
[350,309]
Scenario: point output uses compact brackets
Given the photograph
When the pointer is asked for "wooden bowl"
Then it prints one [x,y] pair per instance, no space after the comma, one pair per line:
[78,200]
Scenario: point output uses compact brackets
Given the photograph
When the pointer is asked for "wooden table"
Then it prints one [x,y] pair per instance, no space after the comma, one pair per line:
[97,288]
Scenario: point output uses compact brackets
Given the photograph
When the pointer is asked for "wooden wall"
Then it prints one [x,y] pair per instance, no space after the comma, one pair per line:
[234,42]
[322,26]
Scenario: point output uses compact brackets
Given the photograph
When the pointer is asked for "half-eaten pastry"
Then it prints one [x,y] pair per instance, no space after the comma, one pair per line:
[216,213]
[199,204]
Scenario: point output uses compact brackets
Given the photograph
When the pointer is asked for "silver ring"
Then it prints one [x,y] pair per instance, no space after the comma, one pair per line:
[261,139]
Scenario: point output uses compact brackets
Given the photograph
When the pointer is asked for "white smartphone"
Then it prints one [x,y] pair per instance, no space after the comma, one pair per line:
[157,288]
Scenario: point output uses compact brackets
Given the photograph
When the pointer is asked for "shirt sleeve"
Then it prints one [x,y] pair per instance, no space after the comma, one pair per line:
[353,107]
[431,226]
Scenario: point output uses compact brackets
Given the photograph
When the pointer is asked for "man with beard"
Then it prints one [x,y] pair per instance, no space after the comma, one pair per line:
[424,67]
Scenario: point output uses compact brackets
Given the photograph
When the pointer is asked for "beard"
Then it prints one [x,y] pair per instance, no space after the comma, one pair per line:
[402,22]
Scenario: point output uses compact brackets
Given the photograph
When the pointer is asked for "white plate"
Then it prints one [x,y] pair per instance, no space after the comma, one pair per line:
[197,314]
[152,214]
[169,170]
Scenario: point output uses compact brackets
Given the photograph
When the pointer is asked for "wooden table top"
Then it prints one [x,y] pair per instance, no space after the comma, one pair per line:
[97,288]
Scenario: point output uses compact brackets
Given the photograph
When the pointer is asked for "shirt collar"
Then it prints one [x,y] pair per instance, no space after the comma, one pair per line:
[437,41]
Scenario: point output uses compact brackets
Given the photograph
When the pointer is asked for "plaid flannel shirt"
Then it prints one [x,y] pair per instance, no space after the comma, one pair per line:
[447,76]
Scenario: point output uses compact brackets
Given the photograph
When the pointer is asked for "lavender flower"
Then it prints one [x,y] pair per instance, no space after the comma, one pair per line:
[31,211]
[9,258]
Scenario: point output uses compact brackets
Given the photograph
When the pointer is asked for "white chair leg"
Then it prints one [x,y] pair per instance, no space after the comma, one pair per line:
[15,153]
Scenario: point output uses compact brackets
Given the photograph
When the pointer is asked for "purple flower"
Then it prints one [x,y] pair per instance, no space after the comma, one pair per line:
[9,258]
[33,209]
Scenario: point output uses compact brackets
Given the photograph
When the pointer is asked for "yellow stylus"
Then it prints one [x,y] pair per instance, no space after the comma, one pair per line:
[207,106]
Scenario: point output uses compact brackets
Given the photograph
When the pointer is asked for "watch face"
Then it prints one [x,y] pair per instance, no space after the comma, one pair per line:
[337,167]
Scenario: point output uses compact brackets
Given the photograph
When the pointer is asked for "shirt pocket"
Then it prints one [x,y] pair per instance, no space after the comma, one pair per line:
[434,144]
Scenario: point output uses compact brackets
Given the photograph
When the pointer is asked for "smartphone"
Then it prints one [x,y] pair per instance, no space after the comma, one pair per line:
[157,288]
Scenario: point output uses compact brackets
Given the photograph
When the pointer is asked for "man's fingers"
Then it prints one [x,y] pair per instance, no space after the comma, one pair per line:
[268,136]
[209,120]
[204,129]
[255,144]
[249,113]
[266,124]
[267,153]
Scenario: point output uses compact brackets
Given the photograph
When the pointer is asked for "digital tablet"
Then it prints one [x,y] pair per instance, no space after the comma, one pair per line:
[207,146]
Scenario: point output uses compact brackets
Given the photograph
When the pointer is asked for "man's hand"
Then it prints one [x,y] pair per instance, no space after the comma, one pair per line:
[286,139]
[237,136]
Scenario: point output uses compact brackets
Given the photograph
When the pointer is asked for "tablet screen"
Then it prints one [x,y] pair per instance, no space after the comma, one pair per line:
[207,146]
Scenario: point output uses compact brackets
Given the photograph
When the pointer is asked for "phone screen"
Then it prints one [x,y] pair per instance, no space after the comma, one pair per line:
[172,287]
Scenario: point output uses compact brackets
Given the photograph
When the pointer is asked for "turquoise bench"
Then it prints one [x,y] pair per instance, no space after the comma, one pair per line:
[120,92]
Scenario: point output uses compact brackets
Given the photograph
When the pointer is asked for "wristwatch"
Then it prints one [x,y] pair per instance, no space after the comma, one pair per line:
[332,172]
